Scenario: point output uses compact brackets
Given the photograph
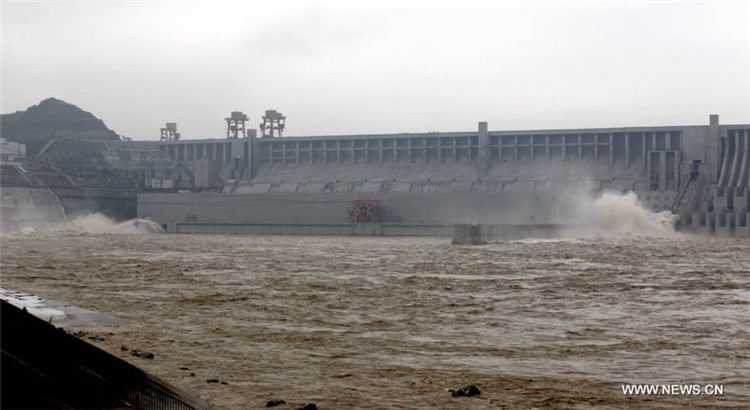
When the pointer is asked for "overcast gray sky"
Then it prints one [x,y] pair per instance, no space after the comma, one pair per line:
[335,67]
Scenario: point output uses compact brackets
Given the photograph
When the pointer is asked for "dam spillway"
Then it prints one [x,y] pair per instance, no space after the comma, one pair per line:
[426,182]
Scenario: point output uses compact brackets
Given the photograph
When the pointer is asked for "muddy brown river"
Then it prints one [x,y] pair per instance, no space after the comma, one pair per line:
[354,322]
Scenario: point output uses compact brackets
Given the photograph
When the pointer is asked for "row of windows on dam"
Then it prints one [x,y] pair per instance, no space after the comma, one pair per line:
[609,147]
[613,147]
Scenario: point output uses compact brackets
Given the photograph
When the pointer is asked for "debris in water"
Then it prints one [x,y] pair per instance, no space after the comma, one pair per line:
[137,353]
[273,403]
[466,391]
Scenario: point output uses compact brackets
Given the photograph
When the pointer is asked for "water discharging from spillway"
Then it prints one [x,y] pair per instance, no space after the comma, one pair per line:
[617,214]
[97,223]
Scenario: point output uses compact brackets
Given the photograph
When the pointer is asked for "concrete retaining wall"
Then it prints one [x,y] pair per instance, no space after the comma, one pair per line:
[481,233]
[331,209]
[364,229]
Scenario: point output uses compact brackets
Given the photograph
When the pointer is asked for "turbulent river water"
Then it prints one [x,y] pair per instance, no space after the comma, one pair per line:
[354,322]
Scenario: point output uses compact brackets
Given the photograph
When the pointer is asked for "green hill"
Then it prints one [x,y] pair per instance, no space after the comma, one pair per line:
[52,119]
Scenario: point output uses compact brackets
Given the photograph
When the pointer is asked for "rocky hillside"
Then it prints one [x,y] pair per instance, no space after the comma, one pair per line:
[52,119]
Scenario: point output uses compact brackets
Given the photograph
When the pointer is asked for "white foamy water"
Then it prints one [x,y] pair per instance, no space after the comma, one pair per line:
[98,223]
[615,213]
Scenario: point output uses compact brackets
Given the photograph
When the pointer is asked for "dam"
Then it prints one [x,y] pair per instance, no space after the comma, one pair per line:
[424,183]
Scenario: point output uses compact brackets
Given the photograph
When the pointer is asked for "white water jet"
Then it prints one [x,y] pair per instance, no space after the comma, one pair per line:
[98,223]
[622,214]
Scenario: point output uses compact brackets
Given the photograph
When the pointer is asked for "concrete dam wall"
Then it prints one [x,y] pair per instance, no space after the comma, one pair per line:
[438,179]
